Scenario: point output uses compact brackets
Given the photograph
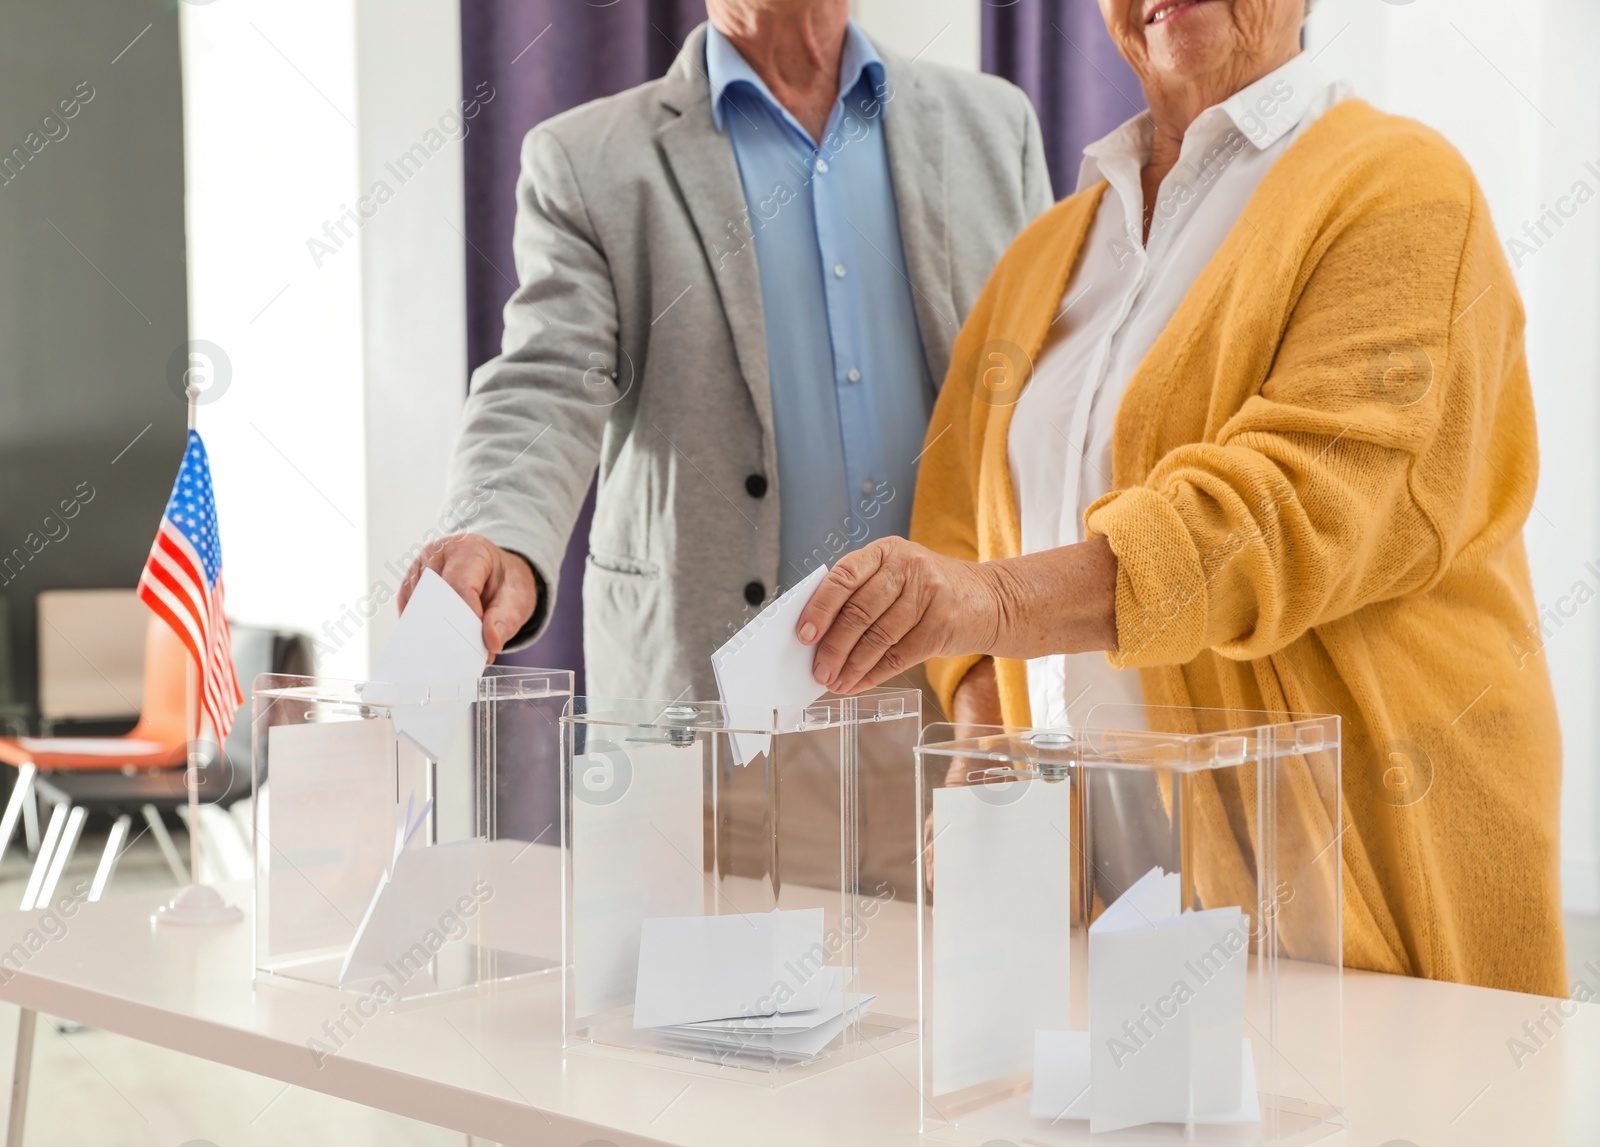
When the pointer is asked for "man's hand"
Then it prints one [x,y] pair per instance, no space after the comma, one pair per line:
[497,584]
[894,604]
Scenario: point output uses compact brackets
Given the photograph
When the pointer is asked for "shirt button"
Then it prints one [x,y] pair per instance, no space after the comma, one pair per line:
[756,485]
[867,487]
[854,375]
[838,270]
[755,593]
[822,167]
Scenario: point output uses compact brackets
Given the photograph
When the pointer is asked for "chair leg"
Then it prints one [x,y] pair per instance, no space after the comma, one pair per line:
[67,845]
[109,858]
[21,1072]
[30,822]
[21,793]
[164,840]
[41,864]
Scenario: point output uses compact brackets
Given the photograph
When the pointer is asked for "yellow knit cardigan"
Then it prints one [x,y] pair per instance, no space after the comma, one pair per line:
[1321,472]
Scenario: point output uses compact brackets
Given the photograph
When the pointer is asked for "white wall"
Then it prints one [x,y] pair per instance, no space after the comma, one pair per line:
[414,281]
[943,31]
[1517,88]
[346,342]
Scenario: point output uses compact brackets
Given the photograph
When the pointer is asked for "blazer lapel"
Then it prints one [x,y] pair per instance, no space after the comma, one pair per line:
[703,165]
[914,125]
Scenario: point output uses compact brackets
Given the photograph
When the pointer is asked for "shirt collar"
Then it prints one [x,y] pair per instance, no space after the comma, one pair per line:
[725,67]
[1264,112]
[1274,105]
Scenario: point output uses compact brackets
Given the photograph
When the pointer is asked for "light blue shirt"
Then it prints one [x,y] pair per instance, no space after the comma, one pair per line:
[851,397]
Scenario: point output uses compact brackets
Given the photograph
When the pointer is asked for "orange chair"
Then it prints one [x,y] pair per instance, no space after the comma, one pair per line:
[158,743]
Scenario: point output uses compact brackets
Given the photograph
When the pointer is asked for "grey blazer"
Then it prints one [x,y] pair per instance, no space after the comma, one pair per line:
[636,340]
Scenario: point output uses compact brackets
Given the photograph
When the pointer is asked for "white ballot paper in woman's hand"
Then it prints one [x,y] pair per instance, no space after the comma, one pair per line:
[764,668]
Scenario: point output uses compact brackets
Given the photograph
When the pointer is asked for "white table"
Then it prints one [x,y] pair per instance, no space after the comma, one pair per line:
[1427,1063]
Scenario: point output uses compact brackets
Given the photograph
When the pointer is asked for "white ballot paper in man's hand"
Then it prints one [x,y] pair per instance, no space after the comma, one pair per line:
[438,643]
[1166,1009]
[765,667]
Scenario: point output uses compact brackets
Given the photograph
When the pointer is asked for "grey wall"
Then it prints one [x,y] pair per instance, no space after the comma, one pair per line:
[92,294]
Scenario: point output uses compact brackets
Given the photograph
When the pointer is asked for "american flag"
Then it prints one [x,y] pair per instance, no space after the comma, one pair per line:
[182,582]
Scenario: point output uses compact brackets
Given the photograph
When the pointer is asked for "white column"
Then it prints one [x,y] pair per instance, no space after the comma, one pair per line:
[1513,86]
[414,275]
[941,31]
[338,307]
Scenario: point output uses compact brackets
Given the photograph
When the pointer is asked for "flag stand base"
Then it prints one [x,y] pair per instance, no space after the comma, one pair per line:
[198,904]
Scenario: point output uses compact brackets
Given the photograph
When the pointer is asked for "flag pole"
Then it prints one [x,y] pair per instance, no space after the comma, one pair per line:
[191,711]
[198,903]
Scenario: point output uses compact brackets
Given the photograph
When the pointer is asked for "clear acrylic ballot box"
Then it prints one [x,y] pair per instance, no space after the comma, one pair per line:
[407,837]
[1131,930]
[721,902]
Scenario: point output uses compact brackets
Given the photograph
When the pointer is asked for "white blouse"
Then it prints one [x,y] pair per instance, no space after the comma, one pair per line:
[1119,298]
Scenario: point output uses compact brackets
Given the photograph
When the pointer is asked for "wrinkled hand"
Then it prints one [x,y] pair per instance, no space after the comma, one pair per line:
[497,584]
[892,605]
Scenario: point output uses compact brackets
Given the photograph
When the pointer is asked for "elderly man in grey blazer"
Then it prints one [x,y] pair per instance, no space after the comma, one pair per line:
[739,289]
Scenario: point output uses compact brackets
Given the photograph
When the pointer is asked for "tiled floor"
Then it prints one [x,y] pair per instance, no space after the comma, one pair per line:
[92,1087]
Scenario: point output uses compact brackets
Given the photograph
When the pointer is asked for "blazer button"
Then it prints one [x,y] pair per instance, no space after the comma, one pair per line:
[755,593]
[756,485]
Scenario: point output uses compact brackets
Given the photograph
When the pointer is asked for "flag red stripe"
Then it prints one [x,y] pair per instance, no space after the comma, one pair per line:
[177,555]
[156,584]
[173,585]
[179,597]
[164,611]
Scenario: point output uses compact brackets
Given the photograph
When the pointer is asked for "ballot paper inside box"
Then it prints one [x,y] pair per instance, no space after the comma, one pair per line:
[725,913]
[1131,929]
[406,837]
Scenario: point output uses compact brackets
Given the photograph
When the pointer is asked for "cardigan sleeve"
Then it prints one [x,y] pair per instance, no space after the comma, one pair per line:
[944,514]
[1362,464]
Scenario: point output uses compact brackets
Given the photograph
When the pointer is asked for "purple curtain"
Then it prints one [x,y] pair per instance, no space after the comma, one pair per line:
[542,57]
[1058,51]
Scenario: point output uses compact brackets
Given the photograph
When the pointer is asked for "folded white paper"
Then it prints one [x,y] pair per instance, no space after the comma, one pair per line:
[1166,1007]
[438,642]
[694,968]
[764,667]
[415,911]
[791,1042]
[1061,1087]
[793,1016]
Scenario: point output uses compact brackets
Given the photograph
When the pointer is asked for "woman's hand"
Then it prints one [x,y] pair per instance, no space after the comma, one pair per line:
[892,605]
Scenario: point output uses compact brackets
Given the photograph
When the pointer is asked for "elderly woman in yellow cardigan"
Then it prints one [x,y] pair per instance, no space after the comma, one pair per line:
[1250,414]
